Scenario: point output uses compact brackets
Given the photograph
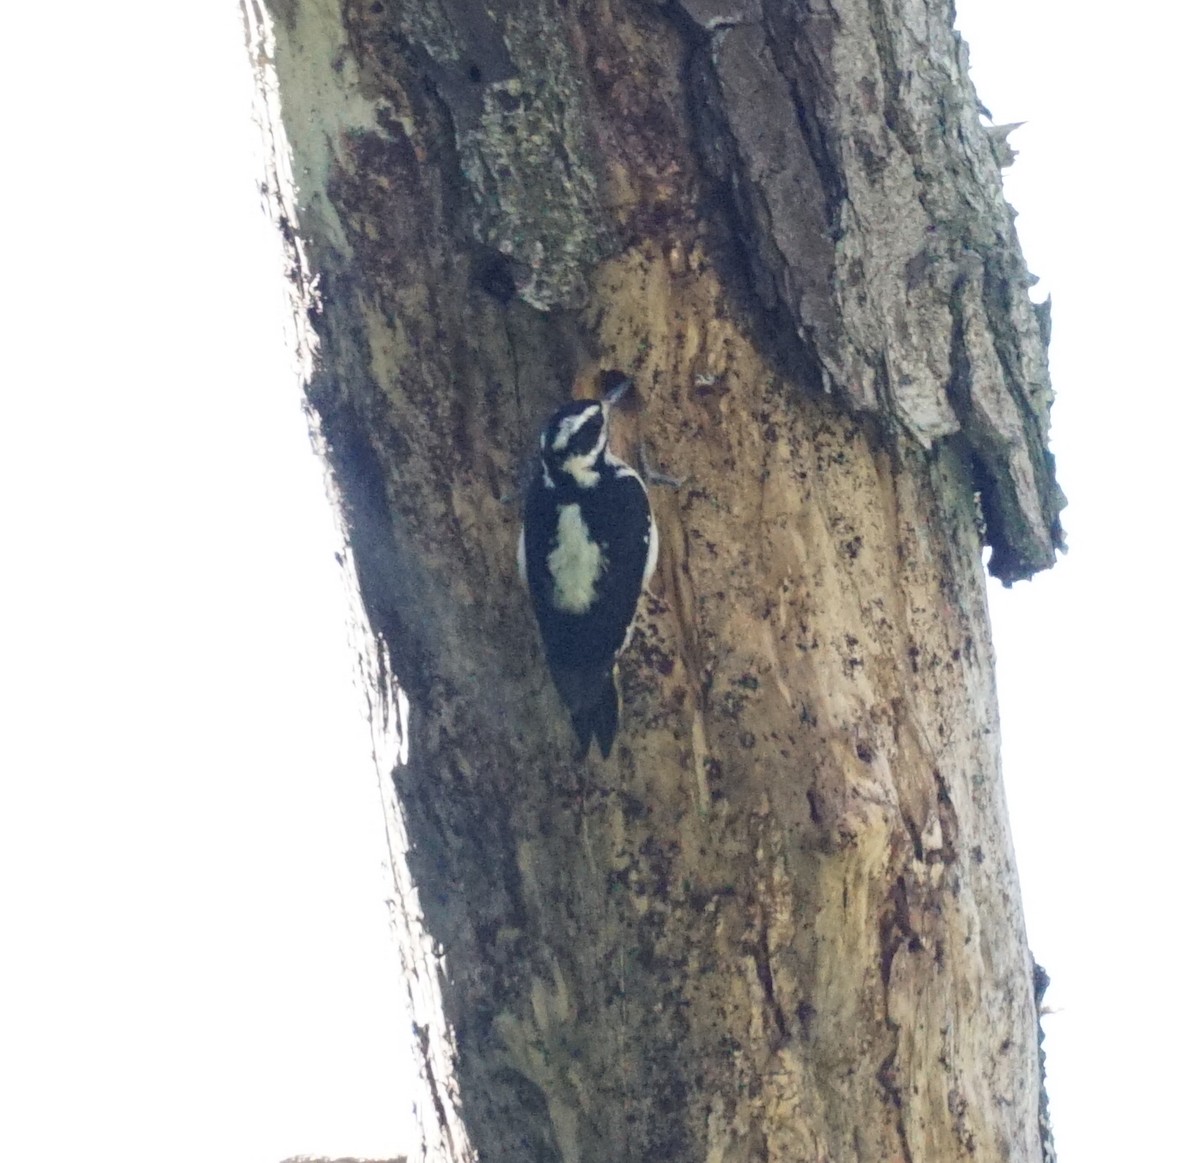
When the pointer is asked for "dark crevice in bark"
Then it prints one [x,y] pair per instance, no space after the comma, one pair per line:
[429,1073]
[519,1107]
[947,822]
[357,468]
[895,930]
[986,460]
[886,1077]
[762,961]
[797,57]
[914,835]
[1041,982]
[736,246]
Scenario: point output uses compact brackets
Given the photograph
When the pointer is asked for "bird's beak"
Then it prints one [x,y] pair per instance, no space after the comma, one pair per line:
[616,393]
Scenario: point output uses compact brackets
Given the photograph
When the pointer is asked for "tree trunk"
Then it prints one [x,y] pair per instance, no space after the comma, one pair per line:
[782,921]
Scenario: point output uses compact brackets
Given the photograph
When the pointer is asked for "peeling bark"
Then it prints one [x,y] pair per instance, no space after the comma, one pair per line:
[783,921]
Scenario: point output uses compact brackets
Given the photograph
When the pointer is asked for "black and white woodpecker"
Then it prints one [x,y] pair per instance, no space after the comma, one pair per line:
[588,547]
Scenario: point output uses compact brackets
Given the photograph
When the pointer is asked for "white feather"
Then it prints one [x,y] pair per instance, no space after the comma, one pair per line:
[583,469]
[651,554]
[576,563]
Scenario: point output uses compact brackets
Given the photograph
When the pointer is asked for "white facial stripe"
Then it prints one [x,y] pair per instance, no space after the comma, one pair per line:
[569,425]
[583,469]
[576,563]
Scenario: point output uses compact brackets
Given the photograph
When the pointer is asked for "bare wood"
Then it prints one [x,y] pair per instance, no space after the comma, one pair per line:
[784,921]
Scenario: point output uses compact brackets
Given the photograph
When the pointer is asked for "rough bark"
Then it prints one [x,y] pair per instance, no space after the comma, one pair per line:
[783,921]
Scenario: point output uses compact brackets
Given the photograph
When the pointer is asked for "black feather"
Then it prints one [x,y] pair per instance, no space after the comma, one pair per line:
[594,705]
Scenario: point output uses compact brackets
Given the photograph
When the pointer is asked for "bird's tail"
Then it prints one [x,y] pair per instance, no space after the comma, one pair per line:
[600,717]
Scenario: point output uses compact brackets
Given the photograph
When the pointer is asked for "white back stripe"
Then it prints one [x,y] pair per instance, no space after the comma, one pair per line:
[576,563]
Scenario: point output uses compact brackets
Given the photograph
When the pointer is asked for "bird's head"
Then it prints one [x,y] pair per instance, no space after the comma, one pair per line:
[576,436]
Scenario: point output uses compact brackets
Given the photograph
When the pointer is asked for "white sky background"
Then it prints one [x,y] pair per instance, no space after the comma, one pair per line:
[194,956]
[1097,657]
[196,962]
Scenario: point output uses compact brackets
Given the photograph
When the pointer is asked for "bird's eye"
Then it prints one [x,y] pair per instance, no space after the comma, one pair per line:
[579,431]
[588,435]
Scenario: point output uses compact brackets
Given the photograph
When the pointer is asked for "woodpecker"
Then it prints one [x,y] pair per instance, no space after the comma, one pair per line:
[588,547]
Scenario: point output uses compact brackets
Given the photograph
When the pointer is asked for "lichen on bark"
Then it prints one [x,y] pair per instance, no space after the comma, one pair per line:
[508,78]
[870,201]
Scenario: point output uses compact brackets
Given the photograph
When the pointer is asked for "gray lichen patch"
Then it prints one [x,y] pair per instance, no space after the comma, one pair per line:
[533,202]
[863,188]
[512,85]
